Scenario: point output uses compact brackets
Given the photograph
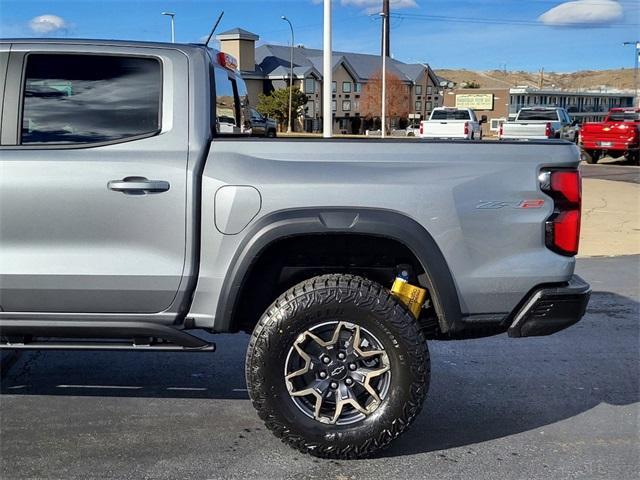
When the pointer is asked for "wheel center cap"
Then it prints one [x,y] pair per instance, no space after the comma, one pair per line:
[338,371]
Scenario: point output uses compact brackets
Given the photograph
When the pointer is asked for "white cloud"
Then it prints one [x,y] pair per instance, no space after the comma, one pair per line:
[374,6]
[582,12]
[44,24]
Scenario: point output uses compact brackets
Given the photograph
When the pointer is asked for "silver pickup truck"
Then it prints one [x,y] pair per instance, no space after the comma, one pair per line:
[136,213]
[540,123]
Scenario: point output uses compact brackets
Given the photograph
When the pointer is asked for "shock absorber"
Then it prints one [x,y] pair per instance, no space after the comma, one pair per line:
[410,295]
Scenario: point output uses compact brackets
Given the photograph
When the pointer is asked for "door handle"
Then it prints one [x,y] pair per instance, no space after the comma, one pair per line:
[138,186]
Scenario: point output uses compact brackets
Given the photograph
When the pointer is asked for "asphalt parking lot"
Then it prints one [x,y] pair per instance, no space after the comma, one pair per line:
[564,406]
[614,169]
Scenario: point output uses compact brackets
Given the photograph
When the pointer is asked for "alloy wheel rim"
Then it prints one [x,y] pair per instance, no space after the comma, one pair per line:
[337,373]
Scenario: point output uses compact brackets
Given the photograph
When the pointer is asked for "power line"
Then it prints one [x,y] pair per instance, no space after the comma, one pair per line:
[630,3]
[498,21]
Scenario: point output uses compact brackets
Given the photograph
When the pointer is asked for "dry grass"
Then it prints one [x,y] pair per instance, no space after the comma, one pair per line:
[587,79]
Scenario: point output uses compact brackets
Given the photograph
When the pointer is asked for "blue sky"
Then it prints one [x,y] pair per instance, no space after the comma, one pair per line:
[473,34]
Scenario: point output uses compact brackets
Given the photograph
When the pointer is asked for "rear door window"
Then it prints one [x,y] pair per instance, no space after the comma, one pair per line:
[548,115]
[624,117]
[77,99]
[450,115]
[227,110]
[233,113]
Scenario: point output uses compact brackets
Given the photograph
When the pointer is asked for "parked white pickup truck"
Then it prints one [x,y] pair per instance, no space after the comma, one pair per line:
[448,122]
[539,123]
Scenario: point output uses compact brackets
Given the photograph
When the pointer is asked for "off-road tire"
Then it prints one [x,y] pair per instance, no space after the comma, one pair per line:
[352,299]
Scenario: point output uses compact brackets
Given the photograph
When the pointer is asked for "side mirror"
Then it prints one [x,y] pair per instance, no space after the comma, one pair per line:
[575,123]
[483,119]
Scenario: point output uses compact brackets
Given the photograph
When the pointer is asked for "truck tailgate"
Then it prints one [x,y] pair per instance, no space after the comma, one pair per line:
[524,130]
[608,135]
[443,129]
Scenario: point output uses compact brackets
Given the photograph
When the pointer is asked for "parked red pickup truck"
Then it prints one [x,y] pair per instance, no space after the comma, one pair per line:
[617,135]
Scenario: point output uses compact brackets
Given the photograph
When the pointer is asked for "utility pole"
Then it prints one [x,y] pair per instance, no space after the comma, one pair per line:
[173,30]
[636,44]
[541,78]
[289,128]
[386,40]
[327,117]
[385,52]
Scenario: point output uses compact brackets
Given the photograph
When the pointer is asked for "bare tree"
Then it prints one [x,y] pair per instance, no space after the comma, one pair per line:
[398,98]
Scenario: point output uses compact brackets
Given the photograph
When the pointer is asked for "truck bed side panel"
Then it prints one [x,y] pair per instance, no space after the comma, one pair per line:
[496,255]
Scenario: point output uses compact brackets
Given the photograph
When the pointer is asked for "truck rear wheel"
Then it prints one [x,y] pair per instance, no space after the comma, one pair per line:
[337,368]
[592,156]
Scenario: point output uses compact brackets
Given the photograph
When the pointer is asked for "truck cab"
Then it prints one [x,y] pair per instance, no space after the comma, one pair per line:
[101,141]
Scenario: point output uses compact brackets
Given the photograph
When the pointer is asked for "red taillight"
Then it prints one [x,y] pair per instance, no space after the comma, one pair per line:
[421,128]
[562,229]
[568,184]
[566,232]
[548,132]
[466,128]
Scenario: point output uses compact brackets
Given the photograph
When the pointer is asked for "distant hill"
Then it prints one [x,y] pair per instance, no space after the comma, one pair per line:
[587,79]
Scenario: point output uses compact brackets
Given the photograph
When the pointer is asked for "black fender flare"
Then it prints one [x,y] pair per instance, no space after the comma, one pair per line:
[327,220]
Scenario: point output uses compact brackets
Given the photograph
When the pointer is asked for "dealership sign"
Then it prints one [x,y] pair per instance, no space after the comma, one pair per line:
[475,101]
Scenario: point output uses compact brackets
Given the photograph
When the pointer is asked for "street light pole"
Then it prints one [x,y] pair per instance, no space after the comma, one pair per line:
[290,73]
[636,44]
[173,31]
[327,74]
[385,19]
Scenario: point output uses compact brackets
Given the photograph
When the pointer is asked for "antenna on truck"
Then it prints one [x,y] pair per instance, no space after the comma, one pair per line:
[206,44]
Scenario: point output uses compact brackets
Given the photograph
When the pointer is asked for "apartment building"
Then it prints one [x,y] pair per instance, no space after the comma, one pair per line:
[503,104]
[267,67]
[583,105]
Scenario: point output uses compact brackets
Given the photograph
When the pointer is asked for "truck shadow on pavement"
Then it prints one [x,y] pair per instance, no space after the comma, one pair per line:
[480,390]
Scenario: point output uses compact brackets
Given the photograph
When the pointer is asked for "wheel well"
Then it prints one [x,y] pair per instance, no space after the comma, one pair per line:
[286,262]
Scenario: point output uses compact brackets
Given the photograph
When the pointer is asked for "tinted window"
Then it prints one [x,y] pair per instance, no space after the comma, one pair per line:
[89,98]
[549,115]
[624,117]
[450,115]
[226,109]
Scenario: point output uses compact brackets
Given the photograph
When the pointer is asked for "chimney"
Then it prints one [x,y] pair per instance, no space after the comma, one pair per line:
[242,45]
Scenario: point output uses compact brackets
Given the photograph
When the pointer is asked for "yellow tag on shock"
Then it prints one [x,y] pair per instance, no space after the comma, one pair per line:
[413,297]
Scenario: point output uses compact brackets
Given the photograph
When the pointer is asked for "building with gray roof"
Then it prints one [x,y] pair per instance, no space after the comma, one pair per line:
[267,67]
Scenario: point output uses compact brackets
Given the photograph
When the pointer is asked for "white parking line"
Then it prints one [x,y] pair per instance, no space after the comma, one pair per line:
[111,387]
[189,389]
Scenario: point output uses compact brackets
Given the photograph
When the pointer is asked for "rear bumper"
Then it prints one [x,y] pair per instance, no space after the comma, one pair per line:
[551,309]
[524,138]
[615,146]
